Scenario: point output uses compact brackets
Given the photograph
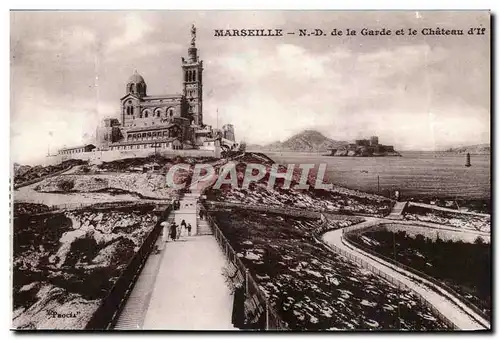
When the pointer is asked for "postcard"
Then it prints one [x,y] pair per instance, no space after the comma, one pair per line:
[251,170]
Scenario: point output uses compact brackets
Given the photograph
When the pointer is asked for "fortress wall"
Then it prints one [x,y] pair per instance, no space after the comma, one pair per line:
[112,155]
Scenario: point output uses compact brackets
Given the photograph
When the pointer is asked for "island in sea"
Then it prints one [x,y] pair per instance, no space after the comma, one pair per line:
[314,141]
[305,141]
[365,148]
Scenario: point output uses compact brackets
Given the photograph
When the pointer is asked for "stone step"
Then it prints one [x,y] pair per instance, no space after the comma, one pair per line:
[206,227]
[191,196]
[203,229]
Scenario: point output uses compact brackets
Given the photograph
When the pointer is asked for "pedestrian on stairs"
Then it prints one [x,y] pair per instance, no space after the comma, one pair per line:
[189,229]
[183,226]
[173,231]
[165,232]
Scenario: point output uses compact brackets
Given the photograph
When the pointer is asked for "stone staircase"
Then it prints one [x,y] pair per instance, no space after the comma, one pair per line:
[189,211]
[397,211]
[203,228]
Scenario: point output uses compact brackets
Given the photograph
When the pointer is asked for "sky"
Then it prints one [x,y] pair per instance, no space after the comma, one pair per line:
[69,71]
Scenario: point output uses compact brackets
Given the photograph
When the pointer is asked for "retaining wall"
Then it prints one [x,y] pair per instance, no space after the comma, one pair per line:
[112,155]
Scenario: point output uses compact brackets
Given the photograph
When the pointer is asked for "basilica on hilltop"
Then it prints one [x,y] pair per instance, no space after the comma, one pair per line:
[169,121]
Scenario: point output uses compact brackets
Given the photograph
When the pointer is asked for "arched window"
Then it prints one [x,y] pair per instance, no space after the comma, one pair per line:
[186,76]
[171,113]
[158,113]
[131,110]
[145,115]
[194,75]
[144,135]
[190,78]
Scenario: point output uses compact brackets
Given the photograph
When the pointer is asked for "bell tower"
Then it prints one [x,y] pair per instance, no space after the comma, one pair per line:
[192,69]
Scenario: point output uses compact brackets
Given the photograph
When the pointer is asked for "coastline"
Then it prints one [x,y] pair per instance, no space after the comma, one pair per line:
[417,174]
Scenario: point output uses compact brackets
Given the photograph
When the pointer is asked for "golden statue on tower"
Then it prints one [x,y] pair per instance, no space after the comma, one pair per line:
[193,35]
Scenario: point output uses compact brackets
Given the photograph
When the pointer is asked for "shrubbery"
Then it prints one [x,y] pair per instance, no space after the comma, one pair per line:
[465,267]
[66,185]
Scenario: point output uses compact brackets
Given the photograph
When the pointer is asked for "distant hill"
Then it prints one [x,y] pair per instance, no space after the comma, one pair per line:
[479,149]
[306,141]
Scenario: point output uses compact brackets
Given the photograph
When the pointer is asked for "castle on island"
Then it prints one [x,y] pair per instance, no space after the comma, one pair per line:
[169,123]
[365,148]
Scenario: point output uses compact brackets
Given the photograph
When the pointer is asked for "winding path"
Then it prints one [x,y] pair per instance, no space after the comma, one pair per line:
[457,312]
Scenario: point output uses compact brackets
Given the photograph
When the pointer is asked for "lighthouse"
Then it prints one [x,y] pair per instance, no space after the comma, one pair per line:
[467,160]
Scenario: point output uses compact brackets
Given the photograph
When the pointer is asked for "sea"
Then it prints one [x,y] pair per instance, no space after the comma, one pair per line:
[415,174]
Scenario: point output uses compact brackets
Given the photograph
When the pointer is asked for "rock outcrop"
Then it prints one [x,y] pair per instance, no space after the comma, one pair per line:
[66,263]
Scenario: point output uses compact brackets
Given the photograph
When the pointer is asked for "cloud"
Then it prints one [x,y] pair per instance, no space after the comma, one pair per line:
[134,29]
[389,92]
[68,70]
[68,42]
[42,122]
[137,40]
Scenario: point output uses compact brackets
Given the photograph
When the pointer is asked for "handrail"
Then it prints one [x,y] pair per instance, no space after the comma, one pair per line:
[288,211]
[393,280]
[418,273]
[250,282]
[106,315]
[316,235]
[266,208]
[445,210]
[79,205]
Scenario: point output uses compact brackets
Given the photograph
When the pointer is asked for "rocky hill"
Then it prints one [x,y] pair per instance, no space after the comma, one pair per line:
[306,141]
[67,263]
[479,149]
[25,173]
[20,170]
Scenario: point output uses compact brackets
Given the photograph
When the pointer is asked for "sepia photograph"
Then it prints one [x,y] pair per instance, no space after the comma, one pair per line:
[271,170]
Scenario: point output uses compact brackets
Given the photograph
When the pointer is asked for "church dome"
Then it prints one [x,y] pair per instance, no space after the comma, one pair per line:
[136,85]
[136,78]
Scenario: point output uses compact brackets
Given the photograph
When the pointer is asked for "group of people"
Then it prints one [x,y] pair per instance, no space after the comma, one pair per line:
[174,231]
